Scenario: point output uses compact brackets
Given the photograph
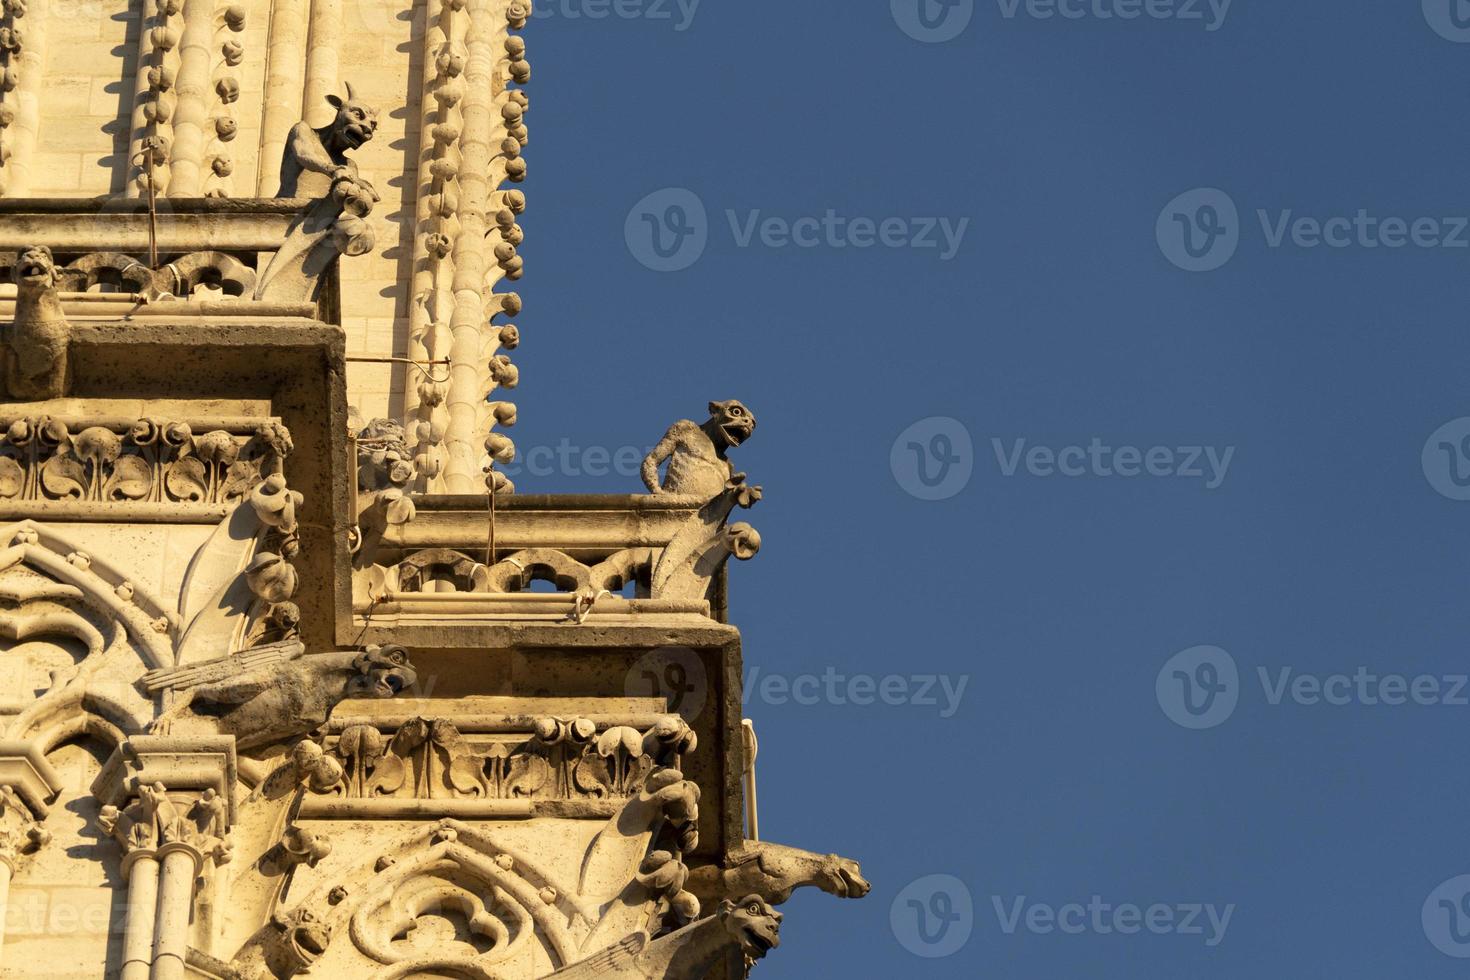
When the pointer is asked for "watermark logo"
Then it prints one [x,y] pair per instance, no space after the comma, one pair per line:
[1446,917]
[1446,459]
[573,461]
[678,13]
[1199,230]
[1101,918]
[1211,13]
[1208,464]
[1199,688]
[1450,19]
[674,675]
[934,458]
[933,917]
[386,19]
[933,21]
[668,230]
[944,692]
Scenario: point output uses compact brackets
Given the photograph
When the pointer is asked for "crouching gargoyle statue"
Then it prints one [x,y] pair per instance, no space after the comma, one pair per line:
[275,692]
[316,166]
[314,158]
[698,467]
[696,452]
[36,343]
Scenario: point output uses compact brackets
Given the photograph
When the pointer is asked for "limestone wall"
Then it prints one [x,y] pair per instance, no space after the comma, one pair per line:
[75,117]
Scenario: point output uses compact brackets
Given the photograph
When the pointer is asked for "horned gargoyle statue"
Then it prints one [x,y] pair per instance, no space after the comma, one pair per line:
[750,925]
[315,158]
[37,365]
[277,691]
[315,165]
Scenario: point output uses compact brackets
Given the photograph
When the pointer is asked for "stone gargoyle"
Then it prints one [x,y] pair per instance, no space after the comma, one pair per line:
[275,692]
[750,925]
[696,452]
[286,945]
[314,158]
[316,166]
[36,344]
[774,871]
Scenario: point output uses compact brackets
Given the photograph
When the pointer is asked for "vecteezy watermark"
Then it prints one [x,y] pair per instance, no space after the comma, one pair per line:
[1198,687]
[1446,459]
[1100,918]
[669,230]
[673,675]
[567,459]
[1450,19]
[935,21]
[678,13]
[1210,13]
[932,21]
[832,687]
[933,917]
[64,910]
[1201,687]
[1200,230]
[1446,917]
[933,458]
[1098,459]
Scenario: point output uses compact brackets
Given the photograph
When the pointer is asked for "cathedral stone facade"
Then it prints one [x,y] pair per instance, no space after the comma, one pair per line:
[297,690]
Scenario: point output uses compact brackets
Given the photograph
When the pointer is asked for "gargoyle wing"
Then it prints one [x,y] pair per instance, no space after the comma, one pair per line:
[613,963]
[222,668]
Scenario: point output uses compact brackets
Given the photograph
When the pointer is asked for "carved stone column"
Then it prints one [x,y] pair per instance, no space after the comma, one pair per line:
[27,785]
[170,804]
[180,862]
[141,869]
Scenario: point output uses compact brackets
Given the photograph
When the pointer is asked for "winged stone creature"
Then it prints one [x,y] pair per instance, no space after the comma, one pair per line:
[276,691]
[750,925]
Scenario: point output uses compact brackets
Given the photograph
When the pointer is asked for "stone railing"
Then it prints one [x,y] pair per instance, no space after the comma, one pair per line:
[193,256]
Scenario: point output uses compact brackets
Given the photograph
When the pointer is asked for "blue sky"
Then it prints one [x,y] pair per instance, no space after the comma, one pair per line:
[1108,365]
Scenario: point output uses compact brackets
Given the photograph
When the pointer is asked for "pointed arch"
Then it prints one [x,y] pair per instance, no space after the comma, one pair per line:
[148,621]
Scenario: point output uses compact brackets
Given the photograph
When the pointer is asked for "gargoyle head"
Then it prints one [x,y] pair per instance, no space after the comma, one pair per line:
[382,672]
[753,924]
[843,878]
[35,267]
[730,423]
[832,873]
[355,124]
[303,938]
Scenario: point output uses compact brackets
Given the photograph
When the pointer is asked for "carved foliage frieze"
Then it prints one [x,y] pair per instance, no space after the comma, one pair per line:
[432,759]
[119,461]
